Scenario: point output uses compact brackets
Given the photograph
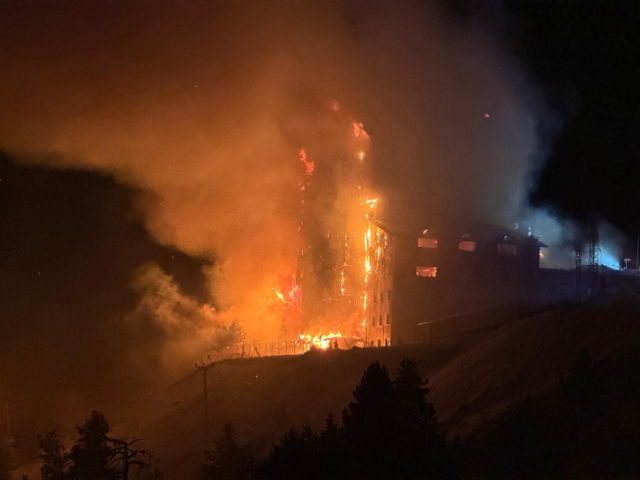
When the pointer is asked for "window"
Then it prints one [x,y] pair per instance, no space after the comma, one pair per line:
[427,242]
[388,319]
[386,342]
[388,295]
[381,297]
[426,271]
[507,249]
[375,298]
[380,320]
[379,342]
[467,246]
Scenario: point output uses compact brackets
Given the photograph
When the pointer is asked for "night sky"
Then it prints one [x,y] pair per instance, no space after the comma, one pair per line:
[80,100]
[585,57]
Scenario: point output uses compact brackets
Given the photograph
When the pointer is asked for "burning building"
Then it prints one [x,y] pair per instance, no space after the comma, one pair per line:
[331,270]
[422,275]
[364,281]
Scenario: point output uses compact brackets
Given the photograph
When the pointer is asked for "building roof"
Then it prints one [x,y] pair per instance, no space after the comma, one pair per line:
[478,231]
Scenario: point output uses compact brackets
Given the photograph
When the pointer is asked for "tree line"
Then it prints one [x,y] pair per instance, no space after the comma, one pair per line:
[95,456]
[588,428]
[388,431]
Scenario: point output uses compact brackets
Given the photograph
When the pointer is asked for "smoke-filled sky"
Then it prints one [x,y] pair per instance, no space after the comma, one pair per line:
[206,105]
[152,152]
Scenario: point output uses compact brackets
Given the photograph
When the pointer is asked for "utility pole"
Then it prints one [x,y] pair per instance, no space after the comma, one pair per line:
[578,279]
[8,421]
[204,366]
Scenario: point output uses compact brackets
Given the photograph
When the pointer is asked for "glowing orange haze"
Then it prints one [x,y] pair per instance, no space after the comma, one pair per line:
[216,109]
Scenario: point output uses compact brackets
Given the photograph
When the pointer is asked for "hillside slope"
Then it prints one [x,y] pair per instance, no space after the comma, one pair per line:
[473,379]
[527,357]
[263,398]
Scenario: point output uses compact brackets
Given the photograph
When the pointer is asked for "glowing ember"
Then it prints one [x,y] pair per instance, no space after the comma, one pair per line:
[309,166]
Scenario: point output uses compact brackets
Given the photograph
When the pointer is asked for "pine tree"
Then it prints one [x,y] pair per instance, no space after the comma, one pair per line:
[372,427]
[55,460]
[228,459]
[424,446]
[90,457]
[331,449]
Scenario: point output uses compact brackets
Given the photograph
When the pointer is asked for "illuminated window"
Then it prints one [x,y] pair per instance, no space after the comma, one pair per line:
[467,246]
[427,242]
[426,271]
[388,319]
[507,249]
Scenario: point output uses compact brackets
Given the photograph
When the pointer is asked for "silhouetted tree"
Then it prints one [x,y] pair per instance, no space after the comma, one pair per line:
[388,431]
[231,335]
[228,460]
[294,457]
[331,449]
[372,427]
[90,457]
[123,457]
[55,460]
[424,447]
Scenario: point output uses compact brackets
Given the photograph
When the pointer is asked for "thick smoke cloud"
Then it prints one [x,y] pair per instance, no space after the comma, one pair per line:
[207,104]
[74,297]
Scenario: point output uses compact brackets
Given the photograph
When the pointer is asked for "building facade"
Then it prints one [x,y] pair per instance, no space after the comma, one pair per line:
[417,276]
